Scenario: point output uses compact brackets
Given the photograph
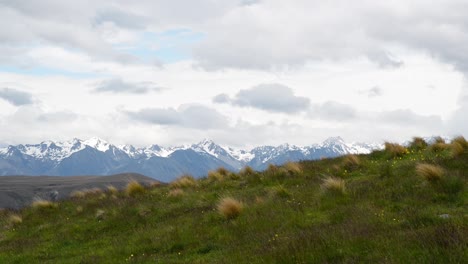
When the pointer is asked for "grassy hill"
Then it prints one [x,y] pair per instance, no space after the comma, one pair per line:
[400,205]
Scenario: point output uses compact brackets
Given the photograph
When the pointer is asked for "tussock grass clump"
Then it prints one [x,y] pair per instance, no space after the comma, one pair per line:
[43,204]
[134,188]
[462,141]
[272,168]
[15,219]
[184,181]
[439,139]
[456,149]
[280,191]
[175,192]
[418,143]
[334,185]
[351,162]
[155,184]
[100,214]
[395,150]
[247,170]
[230,207]
[294,168]
[112,190]
[223,171]
[430,172]
[77,194]
[215,176]
[439,147]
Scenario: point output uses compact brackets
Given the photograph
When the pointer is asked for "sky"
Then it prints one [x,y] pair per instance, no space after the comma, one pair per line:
[243,73]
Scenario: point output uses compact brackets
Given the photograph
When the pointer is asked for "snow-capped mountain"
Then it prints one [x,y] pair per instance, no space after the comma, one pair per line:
[98,157]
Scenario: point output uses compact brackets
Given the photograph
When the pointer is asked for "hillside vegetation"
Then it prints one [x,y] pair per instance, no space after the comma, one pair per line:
[398,205]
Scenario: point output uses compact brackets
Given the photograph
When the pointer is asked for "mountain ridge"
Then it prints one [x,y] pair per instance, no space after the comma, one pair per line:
[97,156]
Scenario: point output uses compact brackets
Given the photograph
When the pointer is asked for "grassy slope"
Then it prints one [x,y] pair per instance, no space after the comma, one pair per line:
[388,214]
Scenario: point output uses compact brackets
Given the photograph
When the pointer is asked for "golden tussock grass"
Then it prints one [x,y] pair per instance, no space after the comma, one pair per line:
[280,191]
[293,168]
[418,143]
[223,171]
[77,194]
[175,192]
[155,184]
[456,149]
[184,181]
[430,172]
[462,141]
[439,146]
[15,219]
[395,150]
[134,188]
[215,176]
[247,170]
[229,207]
[272,168]
[334,185]
[112,190]
[43,204]
[351,161]
[100,214]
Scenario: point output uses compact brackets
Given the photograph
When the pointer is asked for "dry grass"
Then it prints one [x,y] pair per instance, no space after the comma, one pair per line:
[456,149]
[334,185]
[175,192]
[100,214]
[112,190]
[418,143]
[155,184]
[247,170]
[223,171]
[430,172]
[439,140]
[439,146]
[43,204]
[280,191]
[293,168]
[395,150]
[272,168]
[134,188]
[184,181]
[215,176]
[462,141]
[77,194]
[230,207]
[351,162]
[15,219]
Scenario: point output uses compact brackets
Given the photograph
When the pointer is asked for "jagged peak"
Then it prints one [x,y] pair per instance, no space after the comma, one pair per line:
[333,140]
[97,143]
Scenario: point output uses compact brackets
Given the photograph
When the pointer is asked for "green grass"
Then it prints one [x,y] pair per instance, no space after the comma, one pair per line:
[388,214]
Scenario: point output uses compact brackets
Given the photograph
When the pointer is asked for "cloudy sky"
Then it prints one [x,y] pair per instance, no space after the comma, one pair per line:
[241,72]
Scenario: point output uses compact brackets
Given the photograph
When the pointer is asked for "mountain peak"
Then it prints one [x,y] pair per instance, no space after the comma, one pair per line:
[97,143]
[334,140]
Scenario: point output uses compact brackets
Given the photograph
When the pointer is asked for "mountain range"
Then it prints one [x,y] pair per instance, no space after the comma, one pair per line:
[98,157]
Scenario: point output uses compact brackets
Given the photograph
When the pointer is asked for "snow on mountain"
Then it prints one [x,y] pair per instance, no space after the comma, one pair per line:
[96,156]
[239,154]
[97,143]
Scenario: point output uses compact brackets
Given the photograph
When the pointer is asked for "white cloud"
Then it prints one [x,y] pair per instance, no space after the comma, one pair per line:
[270,97]
[351,65]
[15,97]
[120,86]
[191,116]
